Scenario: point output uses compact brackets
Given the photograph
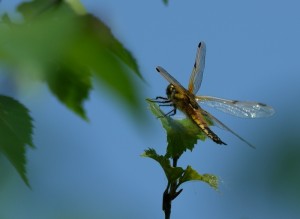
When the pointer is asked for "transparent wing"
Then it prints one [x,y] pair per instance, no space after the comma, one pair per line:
[170,78]
[218,123]
[197,72]
[238,108]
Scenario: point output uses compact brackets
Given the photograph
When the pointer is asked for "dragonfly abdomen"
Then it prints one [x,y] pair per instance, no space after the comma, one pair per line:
[211,134]
[198,120]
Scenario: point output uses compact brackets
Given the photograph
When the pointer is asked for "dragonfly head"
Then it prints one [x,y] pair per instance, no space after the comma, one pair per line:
[170,90]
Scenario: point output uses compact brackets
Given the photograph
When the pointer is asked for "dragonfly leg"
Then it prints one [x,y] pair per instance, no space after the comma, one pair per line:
[171,113]
[160,100]
[165,104]
[164,101]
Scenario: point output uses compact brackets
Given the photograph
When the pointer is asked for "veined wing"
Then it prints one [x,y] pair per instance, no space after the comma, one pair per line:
[170,79]
[218,123]
[197,72]
[241,109]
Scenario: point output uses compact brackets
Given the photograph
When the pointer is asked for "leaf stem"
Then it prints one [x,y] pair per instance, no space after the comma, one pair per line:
[170,193]
[175,159]
[167,202]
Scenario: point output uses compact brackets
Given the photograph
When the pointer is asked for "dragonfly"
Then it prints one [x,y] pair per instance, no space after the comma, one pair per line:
[188,102]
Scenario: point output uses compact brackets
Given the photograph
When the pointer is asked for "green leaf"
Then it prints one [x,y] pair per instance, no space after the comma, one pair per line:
[71,86]
[32,9]
[181,134]
[190,174]
[107,68]
[90,23]
[104,36]
[55,43]
[172,173]
[76,6]
[15,133]
[109,60]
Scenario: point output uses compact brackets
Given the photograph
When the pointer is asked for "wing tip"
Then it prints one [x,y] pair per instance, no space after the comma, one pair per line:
[157,68]
[202,43]
[269,109]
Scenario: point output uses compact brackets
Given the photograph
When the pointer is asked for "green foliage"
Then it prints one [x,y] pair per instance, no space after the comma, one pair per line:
[59,44]
[191,174]
[65,49]
[181,135]
[172,173]
[15,133]
[179,174]
[71,86]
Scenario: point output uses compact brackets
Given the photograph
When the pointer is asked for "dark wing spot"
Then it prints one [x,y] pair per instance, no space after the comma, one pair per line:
[157,69]
[234,101]
[195,65]
[262,104]
[199,44]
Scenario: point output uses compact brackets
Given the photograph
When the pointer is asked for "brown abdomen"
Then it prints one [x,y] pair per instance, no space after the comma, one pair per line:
[197,118]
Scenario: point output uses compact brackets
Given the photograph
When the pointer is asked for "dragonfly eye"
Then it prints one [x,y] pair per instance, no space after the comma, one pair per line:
[170,90]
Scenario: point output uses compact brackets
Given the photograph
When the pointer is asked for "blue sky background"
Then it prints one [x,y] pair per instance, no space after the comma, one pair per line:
[93,170]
